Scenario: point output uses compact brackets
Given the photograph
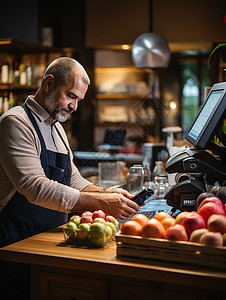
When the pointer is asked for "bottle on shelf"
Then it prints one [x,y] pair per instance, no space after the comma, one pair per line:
[11,100]
[10,73]
[5,103]
[22,70]
[16,72]
[5,73]
[28,74]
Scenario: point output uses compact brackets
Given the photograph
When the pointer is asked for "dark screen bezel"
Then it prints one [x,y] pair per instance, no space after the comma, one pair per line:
[213,122]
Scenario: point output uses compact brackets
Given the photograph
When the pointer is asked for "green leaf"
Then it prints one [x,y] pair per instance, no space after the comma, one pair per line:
[214,50]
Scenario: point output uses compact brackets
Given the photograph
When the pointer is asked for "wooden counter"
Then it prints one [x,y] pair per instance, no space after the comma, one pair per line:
[60,271]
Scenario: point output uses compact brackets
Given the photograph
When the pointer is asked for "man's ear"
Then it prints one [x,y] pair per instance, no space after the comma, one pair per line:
[49,82]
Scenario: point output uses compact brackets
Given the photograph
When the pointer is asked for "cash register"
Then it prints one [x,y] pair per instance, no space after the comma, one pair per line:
[203,164]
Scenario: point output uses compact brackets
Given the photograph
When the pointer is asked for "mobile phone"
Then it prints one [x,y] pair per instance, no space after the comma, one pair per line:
[142,196]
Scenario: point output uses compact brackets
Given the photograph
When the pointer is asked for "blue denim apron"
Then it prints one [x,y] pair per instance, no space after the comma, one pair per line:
[20,218]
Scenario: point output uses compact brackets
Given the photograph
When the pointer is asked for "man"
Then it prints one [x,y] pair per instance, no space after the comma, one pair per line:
[39,183]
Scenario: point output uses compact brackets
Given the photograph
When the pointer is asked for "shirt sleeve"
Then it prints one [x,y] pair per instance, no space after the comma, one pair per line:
[20,158]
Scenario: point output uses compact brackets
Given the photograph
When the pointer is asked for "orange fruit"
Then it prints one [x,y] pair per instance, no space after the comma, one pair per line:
[153,229]
[167,222]
[140,218]
[180,217]
[162,215]
[131,228]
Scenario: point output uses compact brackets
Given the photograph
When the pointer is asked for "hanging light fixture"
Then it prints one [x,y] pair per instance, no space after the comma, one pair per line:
[150,50]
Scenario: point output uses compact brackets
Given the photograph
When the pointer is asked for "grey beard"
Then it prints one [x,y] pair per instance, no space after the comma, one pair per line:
[54,111]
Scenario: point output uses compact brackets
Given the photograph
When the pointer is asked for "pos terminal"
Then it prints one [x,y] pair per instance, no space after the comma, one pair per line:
[203,164]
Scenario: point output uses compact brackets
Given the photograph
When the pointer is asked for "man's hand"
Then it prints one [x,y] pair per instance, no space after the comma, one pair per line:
[115,203]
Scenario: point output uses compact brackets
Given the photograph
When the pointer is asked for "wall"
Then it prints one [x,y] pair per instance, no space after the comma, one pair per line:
[19,20]
[190,21]
[185,24]
[115,21]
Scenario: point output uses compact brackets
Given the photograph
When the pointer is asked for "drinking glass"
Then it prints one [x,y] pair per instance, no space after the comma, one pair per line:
[136,177]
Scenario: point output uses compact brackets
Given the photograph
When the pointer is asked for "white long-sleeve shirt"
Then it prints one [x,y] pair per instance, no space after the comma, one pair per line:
[20,165]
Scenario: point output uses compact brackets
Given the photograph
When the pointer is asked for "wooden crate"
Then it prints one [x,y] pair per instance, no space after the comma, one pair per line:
[180,252]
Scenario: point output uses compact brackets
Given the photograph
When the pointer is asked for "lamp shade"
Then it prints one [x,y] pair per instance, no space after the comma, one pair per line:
[150,50]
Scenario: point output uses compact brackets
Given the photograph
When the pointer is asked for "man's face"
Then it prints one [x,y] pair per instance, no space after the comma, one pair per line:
[64,100]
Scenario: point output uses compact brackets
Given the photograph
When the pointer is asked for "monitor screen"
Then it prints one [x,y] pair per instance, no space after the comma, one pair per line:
[210,117]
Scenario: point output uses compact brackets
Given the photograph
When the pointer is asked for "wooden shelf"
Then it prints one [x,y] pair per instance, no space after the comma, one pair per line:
[13,46]
[14,87]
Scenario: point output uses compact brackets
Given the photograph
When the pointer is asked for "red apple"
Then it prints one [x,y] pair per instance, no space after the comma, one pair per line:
[87,213]
[86,219]
[176,233]
[217,223]
[98,214]
[202,197]
[211,199]
[193,221]
[111,219]
[196,235]
[209,209]
[180,217]
[212,239]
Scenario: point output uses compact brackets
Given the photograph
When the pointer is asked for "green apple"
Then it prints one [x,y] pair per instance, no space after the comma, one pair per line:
[99,220]
[97,233]
[109,232]
[113,227]
[75,219]
[83,231]
[70,229]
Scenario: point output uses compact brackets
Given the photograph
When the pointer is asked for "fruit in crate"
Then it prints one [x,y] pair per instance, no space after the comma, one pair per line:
[217,223]
[212,239]
[196,235]
[131,228]
[153,229]
[176,232]
[201,197]
[211,199]
[209,209]
[162,215]
[167,222]
[140,218]
[180,217]
[193,221]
